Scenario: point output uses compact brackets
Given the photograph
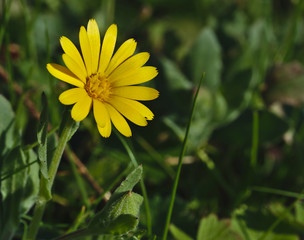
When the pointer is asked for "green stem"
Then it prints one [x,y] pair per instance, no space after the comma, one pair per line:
[180,161]
[35,223]
[41,202]
[255,139]
[278,192]
[142,184]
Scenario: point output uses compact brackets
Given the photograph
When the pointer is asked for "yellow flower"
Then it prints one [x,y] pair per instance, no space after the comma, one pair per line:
[105,81]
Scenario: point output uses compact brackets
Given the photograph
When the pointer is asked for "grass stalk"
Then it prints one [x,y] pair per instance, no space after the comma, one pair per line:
[180,161]
[255,139]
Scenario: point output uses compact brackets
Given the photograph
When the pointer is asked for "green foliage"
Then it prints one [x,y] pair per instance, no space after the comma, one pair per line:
[120,215]
[252,53]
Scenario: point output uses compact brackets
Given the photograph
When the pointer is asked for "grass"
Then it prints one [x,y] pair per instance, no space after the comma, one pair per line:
[244,158]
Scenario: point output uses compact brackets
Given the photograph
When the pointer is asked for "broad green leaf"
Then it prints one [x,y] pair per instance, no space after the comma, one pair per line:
[131,180]
[121,225]
[205,56]
[211,228]
[45,187]
[178,234]
[31,188]
[8,136]
[175,78]
[6,114]
[18,191]
[124,203]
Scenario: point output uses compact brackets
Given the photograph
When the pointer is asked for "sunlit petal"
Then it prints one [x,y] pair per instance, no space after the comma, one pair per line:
[124,52]
[143,74]
[64,74]
[74,67]
[107,129]
[70,49]
[94,39]
[107,49]
[82,108]
[142,109]
[128,111]
[136,92]
[72,96]
[86,49]
[100,113]
[129,66]
[119,121]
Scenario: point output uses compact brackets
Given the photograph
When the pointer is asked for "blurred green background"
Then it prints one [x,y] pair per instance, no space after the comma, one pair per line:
[244,161]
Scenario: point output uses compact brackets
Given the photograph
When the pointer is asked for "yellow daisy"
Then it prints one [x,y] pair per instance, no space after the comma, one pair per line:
[105,81]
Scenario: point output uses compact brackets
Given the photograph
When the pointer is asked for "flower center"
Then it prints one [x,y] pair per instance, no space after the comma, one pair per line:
[98,87]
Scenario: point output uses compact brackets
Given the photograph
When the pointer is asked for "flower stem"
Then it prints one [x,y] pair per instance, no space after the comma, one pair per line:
[180,161]
[41,202]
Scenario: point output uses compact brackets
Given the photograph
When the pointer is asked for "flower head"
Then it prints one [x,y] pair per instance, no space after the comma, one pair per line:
[105,81]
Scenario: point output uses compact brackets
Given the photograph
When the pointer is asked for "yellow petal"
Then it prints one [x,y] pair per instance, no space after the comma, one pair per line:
[105,131]
[94,39]
[100,113]
[136,92]
[124,52]
[119,121]
[74,67]
[128,111]
[64,74]
[144,74]
[107,49]
[142,109]
[72,96]
[129,66]
[82,108]
[86,49]
[70,49]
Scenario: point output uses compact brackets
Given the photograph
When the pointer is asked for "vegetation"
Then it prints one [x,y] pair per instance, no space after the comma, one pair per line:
[241,163]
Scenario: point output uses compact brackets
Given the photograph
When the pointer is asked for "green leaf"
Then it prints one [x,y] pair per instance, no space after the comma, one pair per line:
[43,121]
[175,78]
[126,203]
[18,191]
[45,187]
[122,202]
[178,234]
[131,180]
[31,188]
[211,228]
[8,136]
[205,56]
[122,224]
[299,212]
[6,114]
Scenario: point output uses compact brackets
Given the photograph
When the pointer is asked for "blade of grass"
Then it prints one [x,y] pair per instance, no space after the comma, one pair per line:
[278,192]
[255,139]
[142,184]
[180,161]
[6,6]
